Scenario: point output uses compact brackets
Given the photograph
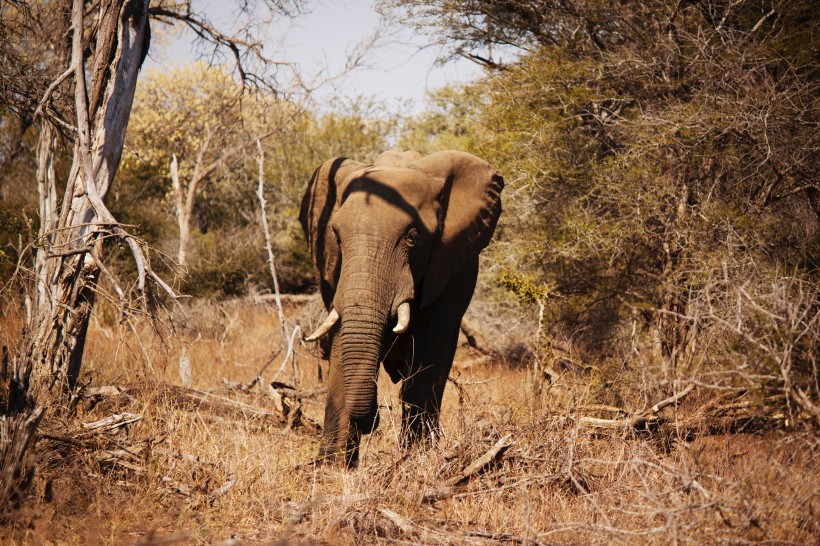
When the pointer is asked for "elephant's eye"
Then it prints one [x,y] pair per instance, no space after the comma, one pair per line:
[412,237]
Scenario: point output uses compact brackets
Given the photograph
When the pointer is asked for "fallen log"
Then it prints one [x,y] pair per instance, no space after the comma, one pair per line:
[218,405]
[286,399]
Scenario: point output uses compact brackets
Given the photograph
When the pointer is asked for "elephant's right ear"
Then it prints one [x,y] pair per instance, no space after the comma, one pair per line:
[319,204]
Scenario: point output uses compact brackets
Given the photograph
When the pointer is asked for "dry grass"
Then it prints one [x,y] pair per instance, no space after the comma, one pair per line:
[202,478]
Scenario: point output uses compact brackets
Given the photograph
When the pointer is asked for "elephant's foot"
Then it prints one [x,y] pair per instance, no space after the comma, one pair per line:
[348,457]
[419,427]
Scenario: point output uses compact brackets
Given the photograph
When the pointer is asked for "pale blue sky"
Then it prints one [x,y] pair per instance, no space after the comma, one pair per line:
[400,72]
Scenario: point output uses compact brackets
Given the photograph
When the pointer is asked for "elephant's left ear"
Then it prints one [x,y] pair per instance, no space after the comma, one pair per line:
[320,202]
[471,199]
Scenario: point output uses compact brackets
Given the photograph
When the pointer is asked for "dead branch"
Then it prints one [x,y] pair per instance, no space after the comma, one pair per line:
[112,422]
[299,510]
[404,524]
[292,392]
[124,458]
[287,298]
[289,355]
[671,400]
[47,95]
[230,481]
[106,391]
[208,33]
[260,193]
[203,401]
[493,454]
[639,420]
[217,405]
[425,533]
[474,340]
[725,414]
[289,402]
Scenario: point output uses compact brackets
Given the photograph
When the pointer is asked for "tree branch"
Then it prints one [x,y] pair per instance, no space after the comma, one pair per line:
[85,156]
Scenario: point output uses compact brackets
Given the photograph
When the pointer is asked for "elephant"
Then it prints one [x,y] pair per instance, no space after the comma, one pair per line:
[396,246]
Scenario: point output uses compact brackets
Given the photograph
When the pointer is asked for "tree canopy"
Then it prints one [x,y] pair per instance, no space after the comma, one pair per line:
[662,159]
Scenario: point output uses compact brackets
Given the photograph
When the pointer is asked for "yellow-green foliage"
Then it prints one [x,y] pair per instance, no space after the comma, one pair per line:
[13,229]
[525,287]
[175,111]
[202,114]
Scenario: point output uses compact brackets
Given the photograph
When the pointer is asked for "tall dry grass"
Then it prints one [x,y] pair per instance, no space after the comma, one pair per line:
[191,476]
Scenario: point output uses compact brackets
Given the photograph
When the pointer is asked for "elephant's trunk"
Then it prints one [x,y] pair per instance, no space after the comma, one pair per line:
[363,299]
[360,340]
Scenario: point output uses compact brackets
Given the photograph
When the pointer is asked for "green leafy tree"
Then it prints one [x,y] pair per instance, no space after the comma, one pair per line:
[653,150]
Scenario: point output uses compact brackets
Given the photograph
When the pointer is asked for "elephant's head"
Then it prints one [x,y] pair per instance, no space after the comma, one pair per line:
[387,239]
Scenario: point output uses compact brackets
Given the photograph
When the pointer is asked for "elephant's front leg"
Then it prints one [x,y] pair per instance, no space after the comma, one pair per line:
[430,356]
[423,390]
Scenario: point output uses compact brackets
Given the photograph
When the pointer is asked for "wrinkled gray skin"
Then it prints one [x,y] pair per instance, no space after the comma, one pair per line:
[405,229]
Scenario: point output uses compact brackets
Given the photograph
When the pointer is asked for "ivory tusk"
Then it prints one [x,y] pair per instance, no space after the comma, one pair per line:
[404,318]
[322,330]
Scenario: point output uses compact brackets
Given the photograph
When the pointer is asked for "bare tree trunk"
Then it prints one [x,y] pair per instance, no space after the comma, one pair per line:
[185,198]
[183,214]
[68,260]
[260,194]
[47,193]
[73,255]
[19,419]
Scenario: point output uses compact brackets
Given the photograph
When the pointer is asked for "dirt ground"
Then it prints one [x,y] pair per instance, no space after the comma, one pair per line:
[166,469]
